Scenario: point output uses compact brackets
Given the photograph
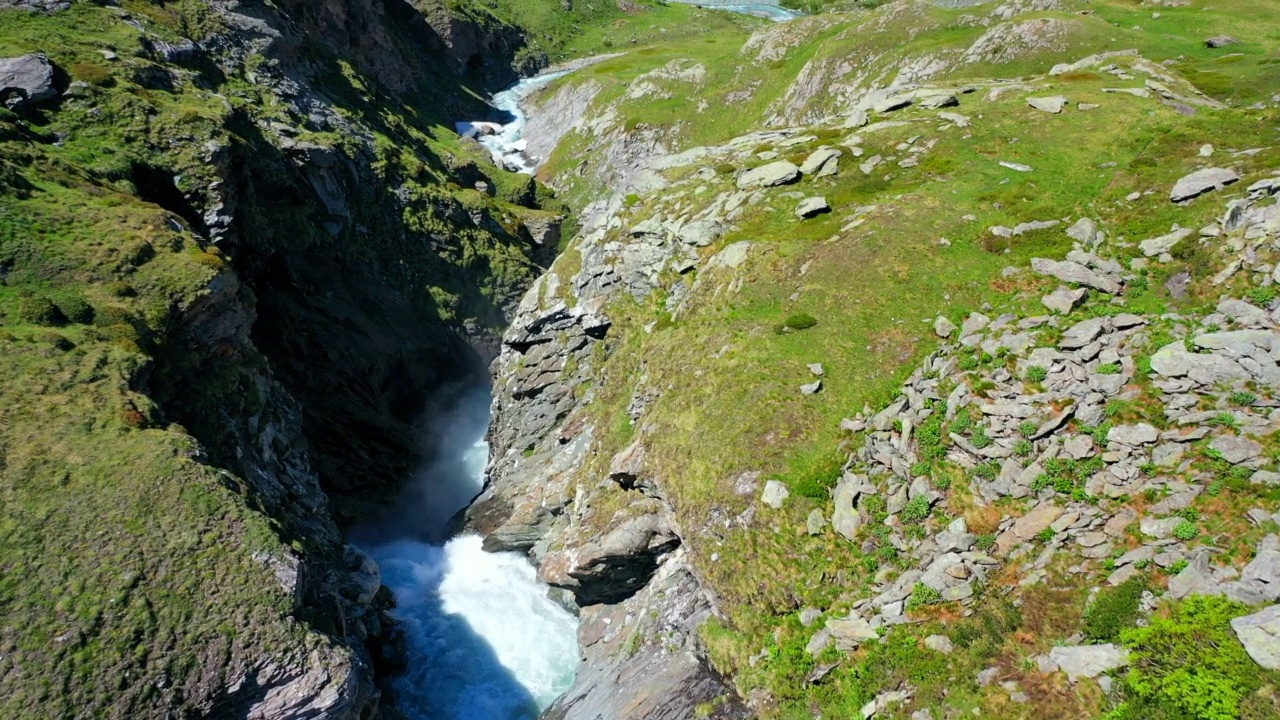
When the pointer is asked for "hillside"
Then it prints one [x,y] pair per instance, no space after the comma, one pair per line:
[911,359]
[817,346]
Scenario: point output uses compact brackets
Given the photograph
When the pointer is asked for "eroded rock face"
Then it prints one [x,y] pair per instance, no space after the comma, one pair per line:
[642,657]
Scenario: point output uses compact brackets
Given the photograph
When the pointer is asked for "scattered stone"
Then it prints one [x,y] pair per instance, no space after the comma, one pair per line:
[1133,435]
[809,615]
[812,388]
[818,161]
[1260,635]
[1201,182]
[770,175]
[1053,104]
[943,327]
[1064,299]
[812,207]
[815,523]
[988,676]
[1017,167]
[816,369]
[851,632]
[1236,450]
[939,643]
[939,101]
[891,103]
[775,494]
[1220,41]
[1088,661]
[1163,244]
[1073,272]
[1027,526]
[1082,333]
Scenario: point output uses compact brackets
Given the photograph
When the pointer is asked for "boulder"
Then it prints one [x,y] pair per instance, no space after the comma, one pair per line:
[1133,435]
[1220,41]
[851,632]
[1082,333]
[26,80]
[1201,182]
[820,161]
[775,494]
[1027,526]
[770,175]
[812,207]
[1173,360]
[939,643]
[1064,299]
[943,327]
[1073,272]
[1236,450]
[1088,661]
[1163,244]
[1053,104]
[1260,635]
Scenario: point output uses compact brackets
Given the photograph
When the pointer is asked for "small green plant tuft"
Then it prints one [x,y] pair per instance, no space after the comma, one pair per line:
[1023,448]
[1037,373]
[1113,609]
[923,596]
[1244,399]
[1109,369]
[1027,428]
[916,511]
[799,321]
[1186,530]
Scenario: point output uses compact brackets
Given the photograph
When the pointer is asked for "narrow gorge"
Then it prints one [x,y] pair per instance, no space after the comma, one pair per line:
[639,359]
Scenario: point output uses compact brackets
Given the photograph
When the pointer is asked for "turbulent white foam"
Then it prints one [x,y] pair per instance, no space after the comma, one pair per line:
[485,643]
[484,640]
[507,145]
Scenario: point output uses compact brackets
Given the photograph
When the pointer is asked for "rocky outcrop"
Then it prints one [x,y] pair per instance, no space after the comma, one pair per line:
[642,657]
[26,81]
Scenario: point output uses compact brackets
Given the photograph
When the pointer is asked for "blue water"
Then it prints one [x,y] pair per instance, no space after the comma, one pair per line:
[484,641]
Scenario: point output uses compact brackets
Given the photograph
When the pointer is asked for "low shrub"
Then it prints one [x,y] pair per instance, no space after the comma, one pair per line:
[39,310]
[1037,373]
[1114,609]
[799,321]
[1189,664]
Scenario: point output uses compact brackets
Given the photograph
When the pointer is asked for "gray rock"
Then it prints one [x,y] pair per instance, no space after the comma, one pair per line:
[26,81]
[988,676]
[939,101]
[770,175]
[1088,661]
[1064,299]
[1086,232]
[1164,243]
[1053,104]
[974,323]
[1265,477]
[1073,272]
[891,103]
[1201,182]
[1133,435]
[1260,635]
[1159,528]
[819,160]
[939,643]
[1220,41]
[1016,167]
[845,518]
[819,642]
[1082,333]
[775,494]
[1195,579]
[812,207]
[809,615]
[851,632]
[1173,360]
[815,523]
[812,388]
[943,327]
[1236,450]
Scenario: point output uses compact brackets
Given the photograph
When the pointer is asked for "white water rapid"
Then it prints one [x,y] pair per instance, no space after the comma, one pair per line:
[484,641]
[505,141]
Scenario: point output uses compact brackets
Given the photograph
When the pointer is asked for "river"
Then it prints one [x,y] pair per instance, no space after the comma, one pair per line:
[484,641]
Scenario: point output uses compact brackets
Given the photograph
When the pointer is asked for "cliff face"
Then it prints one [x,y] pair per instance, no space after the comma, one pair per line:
[271,257]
